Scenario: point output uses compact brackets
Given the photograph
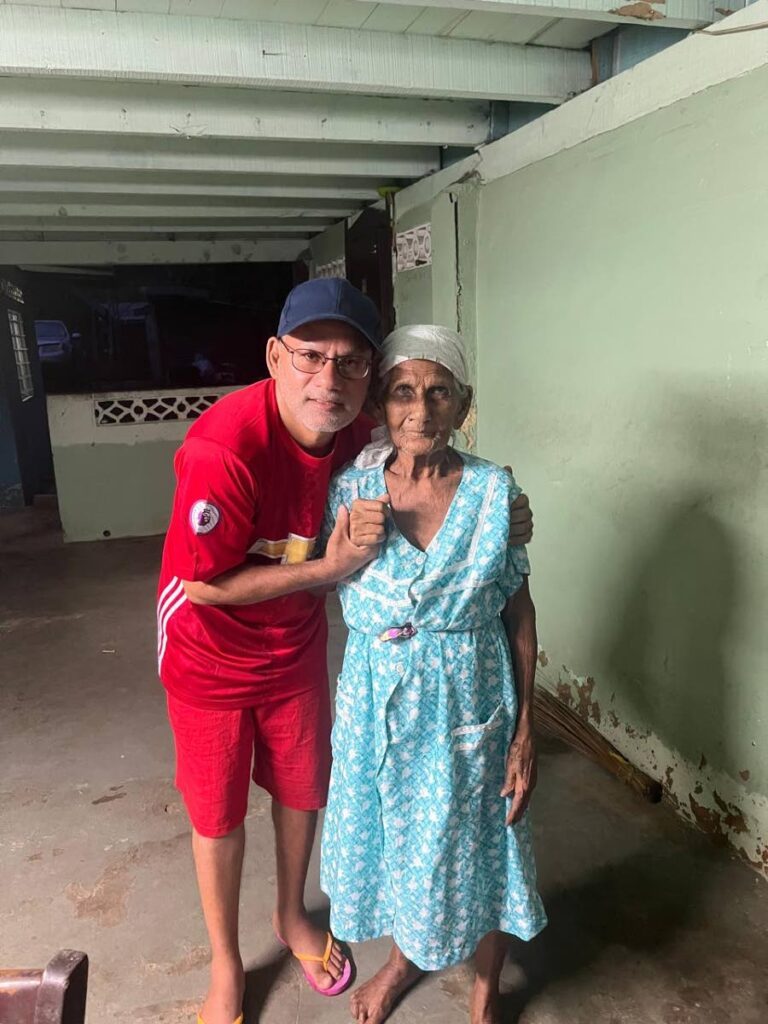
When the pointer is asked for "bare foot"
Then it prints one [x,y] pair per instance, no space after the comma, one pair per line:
[484,1005]
[302,936]
[372,1003]
[224,1002]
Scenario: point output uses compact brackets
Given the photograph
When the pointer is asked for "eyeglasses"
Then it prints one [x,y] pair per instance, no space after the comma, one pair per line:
[307,360]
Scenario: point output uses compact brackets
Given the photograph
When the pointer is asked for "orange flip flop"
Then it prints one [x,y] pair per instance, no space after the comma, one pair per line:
[201,1021]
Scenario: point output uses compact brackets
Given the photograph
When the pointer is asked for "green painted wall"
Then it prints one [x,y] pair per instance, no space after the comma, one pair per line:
[413,288]
[115,490]
[616,297]
[330,244]
[413,296]
[444,293]
[622,317]
[116,480]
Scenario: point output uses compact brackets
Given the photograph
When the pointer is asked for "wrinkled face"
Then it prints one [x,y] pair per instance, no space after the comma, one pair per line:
[422,406]
[321,402]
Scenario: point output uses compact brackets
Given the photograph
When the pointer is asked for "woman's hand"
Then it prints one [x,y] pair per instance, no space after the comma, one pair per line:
[342,555]
[520,779]
[368,521]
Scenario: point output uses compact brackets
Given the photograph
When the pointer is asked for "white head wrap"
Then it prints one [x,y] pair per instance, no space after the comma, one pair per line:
[425,341]
[417,341]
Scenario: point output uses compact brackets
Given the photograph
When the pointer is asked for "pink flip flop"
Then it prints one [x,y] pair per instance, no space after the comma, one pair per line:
[340,985]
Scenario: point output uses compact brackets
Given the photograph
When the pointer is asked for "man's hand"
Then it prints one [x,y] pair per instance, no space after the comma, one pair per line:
[520,779]
[250,584]
[368,521]
[520,521]
[342,555]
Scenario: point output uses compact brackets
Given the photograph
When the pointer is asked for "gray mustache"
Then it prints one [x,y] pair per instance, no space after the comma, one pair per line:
[330,396]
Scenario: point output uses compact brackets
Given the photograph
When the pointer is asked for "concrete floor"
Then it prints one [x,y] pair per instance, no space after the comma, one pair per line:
[649,921]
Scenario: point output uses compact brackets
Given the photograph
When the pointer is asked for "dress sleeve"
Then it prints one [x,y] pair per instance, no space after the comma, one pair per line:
[516,565]
[214,510]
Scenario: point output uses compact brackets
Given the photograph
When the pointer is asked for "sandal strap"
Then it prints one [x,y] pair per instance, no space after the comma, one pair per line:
[311,958]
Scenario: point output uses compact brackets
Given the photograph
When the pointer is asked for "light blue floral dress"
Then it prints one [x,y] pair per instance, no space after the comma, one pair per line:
[415,843]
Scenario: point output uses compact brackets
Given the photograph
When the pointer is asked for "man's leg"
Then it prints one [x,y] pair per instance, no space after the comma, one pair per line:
[293,762]
[219,866]
[213,768]
[294,836]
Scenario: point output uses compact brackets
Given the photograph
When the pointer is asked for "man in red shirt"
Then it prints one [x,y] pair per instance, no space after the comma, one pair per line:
[241,636]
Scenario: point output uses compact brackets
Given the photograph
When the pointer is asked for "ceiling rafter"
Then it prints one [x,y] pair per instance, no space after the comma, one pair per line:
[176,111]
[215,51]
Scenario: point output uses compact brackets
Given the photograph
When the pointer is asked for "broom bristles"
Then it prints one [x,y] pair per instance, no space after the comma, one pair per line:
[555,718]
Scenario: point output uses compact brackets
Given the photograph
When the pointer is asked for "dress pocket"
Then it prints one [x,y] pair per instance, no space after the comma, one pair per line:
[473,737]
[478,761]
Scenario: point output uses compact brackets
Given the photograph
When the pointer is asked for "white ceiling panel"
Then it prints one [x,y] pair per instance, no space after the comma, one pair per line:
[572,35]
[392,18]
[301,12]
[144,6]
[499,28]
[430,17]
[199,8]
[346,13]
[436,21]
[90,5]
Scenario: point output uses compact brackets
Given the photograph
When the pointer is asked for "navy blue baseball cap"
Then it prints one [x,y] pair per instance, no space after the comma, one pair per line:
[330,298]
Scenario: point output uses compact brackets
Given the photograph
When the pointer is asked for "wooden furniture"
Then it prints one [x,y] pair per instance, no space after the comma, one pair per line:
[55,995]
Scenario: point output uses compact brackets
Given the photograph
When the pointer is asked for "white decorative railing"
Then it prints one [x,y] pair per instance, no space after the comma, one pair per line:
[128,417]
[138,408]
[334,268]
[414,247]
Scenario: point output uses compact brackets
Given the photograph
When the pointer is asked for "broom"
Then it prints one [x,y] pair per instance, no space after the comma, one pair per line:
[555,718]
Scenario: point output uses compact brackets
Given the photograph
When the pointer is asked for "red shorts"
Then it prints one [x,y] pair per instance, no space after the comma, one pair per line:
[284,745]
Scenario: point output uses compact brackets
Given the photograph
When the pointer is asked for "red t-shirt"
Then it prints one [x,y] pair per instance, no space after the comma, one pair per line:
[245,491]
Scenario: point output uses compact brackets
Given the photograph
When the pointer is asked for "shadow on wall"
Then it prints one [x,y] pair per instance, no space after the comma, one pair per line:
[634,931]
[668,651]
[683,594]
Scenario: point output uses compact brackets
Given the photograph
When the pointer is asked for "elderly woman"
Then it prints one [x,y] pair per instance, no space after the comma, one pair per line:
[426,837]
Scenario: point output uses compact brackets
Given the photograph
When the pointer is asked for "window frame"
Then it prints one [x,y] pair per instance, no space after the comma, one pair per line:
[21,355]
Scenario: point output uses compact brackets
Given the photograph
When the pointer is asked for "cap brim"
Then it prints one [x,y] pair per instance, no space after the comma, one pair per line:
[335,316]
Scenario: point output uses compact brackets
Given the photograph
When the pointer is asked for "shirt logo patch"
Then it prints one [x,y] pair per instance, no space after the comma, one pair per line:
[203,517]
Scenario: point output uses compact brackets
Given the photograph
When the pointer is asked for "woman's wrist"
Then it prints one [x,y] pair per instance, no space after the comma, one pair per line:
[524,725]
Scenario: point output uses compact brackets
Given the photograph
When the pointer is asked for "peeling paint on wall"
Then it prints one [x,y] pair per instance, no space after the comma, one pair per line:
[706,798]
